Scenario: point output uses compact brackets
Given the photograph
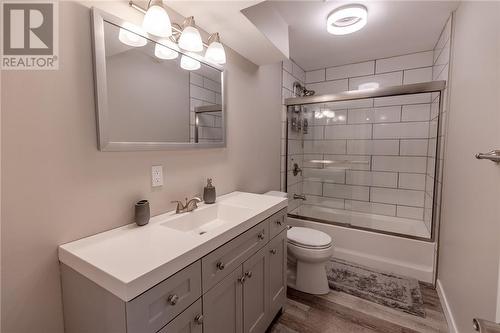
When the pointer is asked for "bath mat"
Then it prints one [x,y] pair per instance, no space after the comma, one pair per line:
[397,292]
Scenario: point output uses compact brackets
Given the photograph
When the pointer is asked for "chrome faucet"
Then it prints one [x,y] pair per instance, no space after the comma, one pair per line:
[189,206]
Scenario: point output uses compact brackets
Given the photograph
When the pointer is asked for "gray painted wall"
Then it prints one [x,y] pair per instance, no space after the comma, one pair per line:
[57,187]
[470,228]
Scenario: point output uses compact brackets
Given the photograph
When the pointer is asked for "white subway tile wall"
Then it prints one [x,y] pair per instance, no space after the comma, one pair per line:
[369,155]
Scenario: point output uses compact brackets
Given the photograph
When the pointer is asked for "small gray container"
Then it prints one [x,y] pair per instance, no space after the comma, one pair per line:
[142,213]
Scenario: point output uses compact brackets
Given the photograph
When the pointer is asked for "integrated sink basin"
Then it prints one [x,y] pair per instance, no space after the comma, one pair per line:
[208,218]
[129,260]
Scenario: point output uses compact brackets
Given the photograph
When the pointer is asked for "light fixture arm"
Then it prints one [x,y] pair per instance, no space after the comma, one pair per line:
[176,28]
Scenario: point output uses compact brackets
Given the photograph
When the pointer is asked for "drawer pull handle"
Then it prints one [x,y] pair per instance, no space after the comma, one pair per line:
[242,279]
[261,236]
[274,251]
[220,266]
[279,222]
[198,319]
[173,299]
[248,274]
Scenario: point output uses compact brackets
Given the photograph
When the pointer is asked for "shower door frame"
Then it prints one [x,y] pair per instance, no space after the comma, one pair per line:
[406,89]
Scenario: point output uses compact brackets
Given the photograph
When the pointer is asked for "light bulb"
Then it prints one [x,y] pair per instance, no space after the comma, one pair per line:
[190,39]
[189,63]
[130,35]
[167,52]
[156,21]
[215,51]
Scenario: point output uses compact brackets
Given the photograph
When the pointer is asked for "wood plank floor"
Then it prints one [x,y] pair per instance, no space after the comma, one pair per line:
[339,312]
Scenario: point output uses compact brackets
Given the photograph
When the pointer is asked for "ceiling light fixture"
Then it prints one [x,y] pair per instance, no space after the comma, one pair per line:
[347,19]
[189,63]
[215,51]
[131,35]
[156,20]
[190,39]
[167,50]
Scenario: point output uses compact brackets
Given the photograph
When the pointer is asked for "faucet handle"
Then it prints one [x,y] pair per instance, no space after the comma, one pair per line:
[180,206]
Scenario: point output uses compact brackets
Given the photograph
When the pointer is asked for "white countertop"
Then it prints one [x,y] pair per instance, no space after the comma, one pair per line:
[129,260]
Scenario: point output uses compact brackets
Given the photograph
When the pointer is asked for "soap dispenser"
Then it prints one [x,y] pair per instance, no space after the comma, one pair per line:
[209,192]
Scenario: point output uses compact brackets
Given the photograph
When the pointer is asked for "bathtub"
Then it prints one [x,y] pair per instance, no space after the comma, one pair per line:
[404,256]
[383,223]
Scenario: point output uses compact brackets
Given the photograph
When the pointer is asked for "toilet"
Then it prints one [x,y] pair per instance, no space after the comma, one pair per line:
[308,252]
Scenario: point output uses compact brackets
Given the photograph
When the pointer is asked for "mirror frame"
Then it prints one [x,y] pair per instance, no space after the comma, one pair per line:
[98,17]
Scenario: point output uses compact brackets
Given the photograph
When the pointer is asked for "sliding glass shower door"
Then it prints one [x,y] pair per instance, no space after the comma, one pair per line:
[366,163]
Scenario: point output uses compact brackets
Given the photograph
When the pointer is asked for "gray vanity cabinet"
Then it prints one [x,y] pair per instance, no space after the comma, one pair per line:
[189,321]
[256,292]
[237,288]
[277,272]
[223,305]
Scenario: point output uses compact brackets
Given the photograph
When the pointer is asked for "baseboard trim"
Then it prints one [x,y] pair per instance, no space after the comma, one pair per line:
[452,326]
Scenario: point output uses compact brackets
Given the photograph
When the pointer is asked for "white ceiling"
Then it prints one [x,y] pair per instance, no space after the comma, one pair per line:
[394,28]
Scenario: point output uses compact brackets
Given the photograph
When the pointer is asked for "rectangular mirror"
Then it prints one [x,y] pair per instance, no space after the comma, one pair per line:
[146,98]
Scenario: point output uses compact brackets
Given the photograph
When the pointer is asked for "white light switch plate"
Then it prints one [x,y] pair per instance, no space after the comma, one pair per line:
[157,175]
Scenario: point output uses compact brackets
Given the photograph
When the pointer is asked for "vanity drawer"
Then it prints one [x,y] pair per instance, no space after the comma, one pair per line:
[190,321]
[153,309]
[277,223]
[222,261]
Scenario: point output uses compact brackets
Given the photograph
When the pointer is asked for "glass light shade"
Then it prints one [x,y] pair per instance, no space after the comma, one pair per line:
[129,35]
[215,53]
[189,63]
[157,22]
[167,53]
[190,40]
[347,19]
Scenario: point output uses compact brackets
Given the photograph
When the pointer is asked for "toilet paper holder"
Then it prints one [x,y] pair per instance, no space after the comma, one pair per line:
[485,326]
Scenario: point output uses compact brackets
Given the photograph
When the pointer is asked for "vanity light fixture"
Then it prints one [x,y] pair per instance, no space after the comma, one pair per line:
[168,52]
[215,51]
[186,37]
[190,39]
[130,35]
[347,19]
[156,20]
[189,63]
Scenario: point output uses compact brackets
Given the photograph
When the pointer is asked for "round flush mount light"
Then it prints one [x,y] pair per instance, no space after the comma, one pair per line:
[347,19]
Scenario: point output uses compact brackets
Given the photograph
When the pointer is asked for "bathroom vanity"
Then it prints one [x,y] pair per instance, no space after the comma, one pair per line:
[218,269]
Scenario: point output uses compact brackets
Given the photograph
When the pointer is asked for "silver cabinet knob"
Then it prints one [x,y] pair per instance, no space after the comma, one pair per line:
[198,319]
[242,279]
[220,266]
[173,299]
[261,235]
[278,222]
[274,251]
[248,274]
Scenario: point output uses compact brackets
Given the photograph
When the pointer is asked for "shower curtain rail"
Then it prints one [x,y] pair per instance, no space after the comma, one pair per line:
[405,89]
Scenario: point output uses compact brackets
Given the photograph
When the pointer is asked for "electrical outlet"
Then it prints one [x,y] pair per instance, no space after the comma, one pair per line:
[157,175]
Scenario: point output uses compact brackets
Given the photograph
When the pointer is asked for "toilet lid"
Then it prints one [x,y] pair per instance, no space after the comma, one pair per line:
[307,237]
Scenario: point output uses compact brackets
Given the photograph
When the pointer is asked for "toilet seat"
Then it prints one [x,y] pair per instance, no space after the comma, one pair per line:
[309,238]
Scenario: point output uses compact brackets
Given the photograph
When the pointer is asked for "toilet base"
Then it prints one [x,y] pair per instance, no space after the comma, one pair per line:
[309,278]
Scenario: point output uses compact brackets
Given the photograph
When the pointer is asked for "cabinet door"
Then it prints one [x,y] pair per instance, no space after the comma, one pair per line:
[189,321]
[277,249]
[256,292]
[222,305]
